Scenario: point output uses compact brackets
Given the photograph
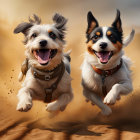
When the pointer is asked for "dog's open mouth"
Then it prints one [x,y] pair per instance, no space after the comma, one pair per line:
[104,56]
[44,55]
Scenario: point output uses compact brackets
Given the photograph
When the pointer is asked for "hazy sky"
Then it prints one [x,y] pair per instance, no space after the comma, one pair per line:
[17,9]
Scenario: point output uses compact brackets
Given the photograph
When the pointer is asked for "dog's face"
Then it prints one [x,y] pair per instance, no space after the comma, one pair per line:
[104,43]
[44,43]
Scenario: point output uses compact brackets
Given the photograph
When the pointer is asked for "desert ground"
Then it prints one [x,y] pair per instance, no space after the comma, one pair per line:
[80,120]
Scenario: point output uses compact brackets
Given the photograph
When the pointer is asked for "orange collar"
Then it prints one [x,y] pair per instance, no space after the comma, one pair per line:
[109,72]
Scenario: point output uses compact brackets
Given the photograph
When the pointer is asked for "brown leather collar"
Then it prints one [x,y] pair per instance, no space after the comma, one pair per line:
[109,72]
[48,74]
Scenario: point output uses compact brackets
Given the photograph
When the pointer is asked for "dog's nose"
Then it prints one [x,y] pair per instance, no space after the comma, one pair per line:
[43,43]
[103,45]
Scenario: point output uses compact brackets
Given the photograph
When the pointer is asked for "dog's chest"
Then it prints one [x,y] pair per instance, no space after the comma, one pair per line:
[90,78]
[40,87]
[96,82]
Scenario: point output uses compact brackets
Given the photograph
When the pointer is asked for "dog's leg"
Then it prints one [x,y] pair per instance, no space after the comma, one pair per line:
[120,88]
[60,104]
[98,101]
[25,99]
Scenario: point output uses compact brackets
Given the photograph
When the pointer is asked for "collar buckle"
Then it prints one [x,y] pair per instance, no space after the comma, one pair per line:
[47,77]
[106,73]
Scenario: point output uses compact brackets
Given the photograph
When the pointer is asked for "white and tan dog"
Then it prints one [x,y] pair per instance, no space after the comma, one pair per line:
[106,71]
[47,68]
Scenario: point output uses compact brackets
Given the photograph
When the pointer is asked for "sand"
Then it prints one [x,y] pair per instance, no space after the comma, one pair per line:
[80,120]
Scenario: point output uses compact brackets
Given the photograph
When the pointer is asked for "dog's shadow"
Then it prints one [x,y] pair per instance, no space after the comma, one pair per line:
[82,128]
[78,128]
[74,128]
[67,128]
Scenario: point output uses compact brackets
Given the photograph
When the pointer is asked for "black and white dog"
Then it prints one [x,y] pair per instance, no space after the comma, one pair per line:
[106,71]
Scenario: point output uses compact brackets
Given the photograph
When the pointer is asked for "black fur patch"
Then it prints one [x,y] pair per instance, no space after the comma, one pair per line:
[115,35]
[117,22]
[93,35]
[116,29]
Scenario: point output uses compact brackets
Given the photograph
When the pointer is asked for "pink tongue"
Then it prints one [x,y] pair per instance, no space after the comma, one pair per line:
[43,56]
[103,56]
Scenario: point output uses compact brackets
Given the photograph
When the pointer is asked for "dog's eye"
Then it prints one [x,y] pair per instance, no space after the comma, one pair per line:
[52,35]
[34,35]
[95,37]
[112,36]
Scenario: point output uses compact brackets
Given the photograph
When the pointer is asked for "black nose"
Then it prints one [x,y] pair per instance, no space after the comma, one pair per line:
[43,43]
[103,45]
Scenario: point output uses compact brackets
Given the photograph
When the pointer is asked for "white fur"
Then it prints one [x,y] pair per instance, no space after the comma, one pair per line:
[118,84]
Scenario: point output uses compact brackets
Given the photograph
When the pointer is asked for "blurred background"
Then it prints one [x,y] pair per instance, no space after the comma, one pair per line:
[12,12]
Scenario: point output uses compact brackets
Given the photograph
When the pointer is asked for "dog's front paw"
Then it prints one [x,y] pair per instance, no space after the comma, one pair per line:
[110,99]
[106,111]
[23,106]
[52,107]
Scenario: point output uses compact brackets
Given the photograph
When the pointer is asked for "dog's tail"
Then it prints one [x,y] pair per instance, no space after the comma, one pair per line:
[129,38]
[20,77]
[67,55]
[67,60]
[24,69]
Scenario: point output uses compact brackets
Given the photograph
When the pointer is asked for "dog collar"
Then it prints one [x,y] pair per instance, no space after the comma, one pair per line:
[109,72]
[48,75]
[106,73]
[57,73]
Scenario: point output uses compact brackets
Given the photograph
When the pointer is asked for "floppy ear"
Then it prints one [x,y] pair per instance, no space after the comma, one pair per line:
[22,28]
[60,23]
[117,22]
[92,23]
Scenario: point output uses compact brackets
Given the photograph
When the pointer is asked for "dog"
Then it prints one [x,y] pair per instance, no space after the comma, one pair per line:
[106,73]
[46,68]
